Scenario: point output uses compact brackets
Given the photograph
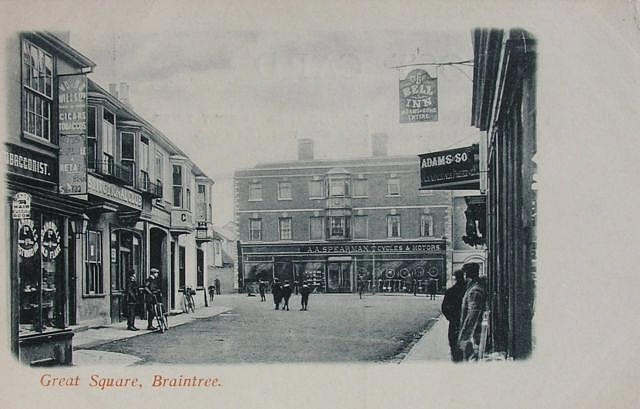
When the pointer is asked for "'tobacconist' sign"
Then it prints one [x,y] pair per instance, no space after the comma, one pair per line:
[112,192]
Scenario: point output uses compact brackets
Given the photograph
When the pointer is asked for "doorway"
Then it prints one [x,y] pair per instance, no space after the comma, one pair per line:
[339,277]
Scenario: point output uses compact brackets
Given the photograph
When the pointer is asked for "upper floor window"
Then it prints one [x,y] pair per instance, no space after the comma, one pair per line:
[315,189]
[92,138]
[393,225]
[393,187]
[108,136]
[177,185]
[127,142]
[316,228]
[338,227]
[37,93]
[159,174]
[255,191]
[284,191]
[426,225]
[255,229]
[360,228]
[338,187]
[144,154]
[360,187]
[284,227]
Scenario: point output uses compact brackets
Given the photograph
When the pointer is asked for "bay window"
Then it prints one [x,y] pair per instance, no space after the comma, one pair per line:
[177,186]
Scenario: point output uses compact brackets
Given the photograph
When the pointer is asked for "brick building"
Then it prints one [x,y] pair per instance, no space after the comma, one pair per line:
[334,222]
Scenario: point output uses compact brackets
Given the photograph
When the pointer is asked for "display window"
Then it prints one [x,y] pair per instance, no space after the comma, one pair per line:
[40,261]
[313,272]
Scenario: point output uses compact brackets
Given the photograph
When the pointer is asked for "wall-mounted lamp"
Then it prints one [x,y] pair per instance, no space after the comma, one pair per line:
[79,227]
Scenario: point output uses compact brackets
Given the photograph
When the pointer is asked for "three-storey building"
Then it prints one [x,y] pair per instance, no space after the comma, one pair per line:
[334,222]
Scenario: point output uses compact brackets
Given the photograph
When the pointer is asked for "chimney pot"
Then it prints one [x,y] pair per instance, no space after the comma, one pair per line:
[305,149]
[124,92]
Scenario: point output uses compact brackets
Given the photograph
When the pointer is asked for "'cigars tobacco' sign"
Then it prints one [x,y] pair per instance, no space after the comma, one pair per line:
[72,104]
[418,97]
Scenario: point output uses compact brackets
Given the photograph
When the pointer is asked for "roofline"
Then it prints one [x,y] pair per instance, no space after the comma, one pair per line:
[66,49]
[157,134]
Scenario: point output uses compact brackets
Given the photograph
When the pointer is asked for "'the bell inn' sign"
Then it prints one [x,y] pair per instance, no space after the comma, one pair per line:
[418,97]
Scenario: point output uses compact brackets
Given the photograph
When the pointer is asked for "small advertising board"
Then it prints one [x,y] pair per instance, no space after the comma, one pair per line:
[454,169]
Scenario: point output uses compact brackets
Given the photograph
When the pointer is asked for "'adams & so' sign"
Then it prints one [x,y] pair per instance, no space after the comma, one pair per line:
[450,169]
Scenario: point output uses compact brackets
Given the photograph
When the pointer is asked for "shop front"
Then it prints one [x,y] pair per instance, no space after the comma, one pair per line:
[339,268]
[42,258]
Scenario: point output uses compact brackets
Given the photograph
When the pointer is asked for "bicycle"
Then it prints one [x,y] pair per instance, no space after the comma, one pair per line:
[188,303]
[160,315]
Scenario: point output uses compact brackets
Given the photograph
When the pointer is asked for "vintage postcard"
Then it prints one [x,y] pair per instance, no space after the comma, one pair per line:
[358,205]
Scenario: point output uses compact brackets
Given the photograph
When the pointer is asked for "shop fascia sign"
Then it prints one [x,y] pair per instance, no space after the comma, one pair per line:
[118,194]
[450,169]
[24,162]
[374,248]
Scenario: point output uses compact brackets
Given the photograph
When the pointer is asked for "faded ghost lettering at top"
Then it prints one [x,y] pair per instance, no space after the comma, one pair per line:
[72,104]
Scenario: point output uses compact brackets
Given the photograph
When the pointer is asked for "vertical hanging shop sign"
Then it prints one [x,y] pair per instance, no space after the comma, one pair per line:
[72,105]
[418,97]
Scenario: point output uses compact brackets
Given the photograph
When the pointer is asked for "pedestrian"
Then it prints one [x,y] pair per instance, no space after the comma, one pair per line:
[276,288]
[217,284]
[286,294]
[473,304]
[305,290]
[152,295]
[262,288]
[212,292]
[132,301]
[360,285]
[451,307]
[433,286]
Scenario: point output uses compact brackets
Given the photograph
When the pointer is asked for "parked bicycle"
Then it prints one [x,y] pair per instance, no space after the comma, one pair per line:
[161,316]
[188,303]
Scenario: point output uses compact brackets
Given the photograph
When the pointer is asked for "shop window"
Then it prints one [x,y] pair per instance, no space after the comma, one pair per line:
[316,228]
[258,271]
[361,187]
[255,191]
[315,189]
[181,267]
[393,187]
[177,186]
[40,262]
[338,227]
[393,226]
[284,227]
[255,229]
[93,284]
[126,255]
[92,145]
[426,225]
[360,227]
[284,191]
[37,95]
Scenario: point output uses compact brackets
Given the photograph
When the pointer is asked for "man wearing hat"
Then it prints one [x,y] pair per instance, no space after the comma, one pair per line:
[473,304]
[132,301]
[451,306]
[151,288]
[276,290]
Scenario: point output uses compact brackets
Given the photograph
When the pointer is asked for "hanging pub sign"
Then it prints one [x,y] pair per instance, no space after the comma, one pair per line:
[418,97]
[72,104]
[21,206]
[455,169]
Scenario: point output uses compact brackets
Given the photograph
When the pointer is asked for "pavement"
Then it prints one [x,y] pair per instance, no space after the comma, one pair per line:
[84,338]
[433,345]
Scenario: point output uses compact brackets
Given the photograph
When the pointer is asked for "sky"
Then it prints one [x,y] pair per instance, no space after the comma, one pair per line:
[232,99]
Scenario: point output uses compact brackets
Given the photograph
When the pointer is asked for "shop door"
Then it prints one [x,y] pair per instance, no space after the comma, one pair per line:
[339,277]
[117,297]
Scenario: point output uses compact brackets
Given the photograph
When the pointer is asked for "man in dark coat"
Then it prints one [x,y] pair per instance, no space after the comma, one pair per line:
[305,290]
[276,290]
[473,304]
[451,306]
[132,301]
[262,288]
[286,294]
[151,289]
[217,284]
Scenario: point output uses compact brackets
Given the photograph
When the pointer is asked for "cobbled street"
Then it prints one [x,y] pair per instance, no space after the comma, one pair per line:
[337,328]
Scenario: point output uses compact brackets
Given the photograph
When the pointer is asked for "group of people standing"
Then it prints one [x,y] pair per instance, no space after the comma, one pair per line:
[463,305]
[150,293]
[282,292]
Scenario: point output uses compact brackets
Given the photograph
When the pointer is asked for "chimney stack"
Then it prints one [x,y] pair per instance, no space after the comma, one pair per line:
[379,144]
[305,149]
[113,90]
[124,93]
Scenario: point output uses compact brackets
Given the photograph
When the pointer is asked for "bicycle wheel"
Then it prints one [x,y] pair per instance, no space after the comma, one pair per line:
[159,317]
